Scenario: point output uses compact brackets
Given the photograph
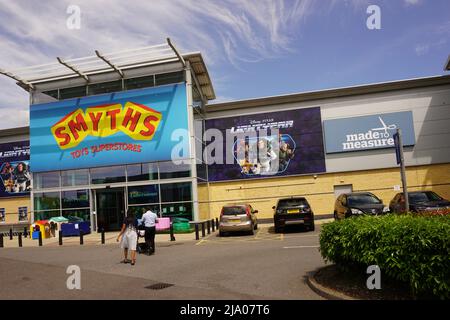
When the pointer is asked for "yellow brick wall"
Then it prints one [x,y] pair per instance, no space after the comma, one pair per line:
[12,205]
[262,194]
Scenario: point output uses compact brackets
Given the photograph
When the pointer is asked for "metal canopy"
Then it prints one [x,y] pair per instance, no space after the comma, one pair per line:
[117,62]
[98,63]
[447,64]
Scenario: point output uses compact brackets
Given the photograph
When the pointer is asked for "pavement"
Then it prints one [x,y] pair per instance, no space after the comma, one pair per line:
[263,266]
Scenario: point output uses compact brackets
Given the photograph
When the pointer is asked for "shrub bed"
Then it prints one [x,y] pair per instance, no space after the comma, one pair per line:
[411,249]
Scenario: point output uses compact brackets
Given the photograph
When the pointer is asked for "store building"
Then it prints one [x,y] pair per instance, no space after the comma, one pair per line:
[104,131]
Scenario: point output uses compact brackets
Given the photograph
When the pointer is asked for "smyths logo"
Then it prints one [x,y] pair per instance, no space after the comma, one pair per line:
[135,120]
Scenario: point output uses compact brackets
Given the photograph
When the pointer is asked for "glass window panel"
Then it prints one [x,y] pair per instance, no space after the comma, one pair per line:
[105,87]
[71,178]
[167,78]
[75,199]
[108,174]
[142,171]
[52,93]
[45,180]
[46,201]
[45,215]
[143,194]
[177,210]
[140,82]
[174,192]
[170,170]
[74,92]
[77,215]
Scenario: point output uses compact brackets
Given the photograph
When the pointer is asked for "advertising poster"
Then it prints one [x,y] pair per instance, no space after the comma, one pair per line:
[299,145]
[111,129]
[15,174]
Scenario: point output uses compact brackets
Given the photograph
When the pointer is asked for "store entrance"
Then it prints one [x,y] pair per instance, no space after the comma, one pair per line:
[110,206]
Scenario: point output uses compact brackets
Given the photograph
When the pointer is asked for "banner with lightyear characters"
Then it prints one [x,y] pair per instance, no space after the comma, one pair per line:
[298,147]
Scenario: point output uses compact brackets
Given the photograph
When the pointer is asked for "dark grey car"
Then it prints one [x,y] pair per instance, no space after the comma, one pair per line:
[358,203]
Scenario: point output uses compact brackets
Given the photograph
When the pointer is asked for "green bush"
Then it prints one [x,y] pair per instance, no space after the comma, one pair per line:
[415,250]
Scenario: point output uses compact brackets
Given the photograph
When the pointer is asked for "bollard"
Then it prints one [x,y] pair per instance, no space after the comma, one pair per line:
[203,229]
[196,232]
[60,240]
[10,234]
[103,235]
[40,239]
[81,238]
[217,223]
[208,225]
[25,232]
[20,240]
[1,240]
[172,237]
[212,223]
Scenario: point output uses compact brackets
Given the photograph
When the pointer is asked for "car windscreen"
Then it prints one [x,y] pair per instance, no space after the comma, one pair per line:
[231,211]
[423,197]
[362,199]
[292,203]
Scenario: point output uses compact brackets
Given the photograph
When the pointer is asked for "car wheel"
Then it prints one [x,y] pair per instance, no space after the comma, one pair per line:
[312,227]
[221,234]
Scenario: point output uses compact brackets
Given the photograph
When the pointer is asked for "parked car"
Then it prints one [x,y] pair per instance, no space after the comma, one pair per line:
[419,201]
[293,211]
[237,217]
[358,203]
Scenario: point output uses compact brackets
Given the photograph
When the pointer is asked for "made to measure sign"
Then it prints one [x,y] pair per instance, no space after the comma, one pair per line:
[368,132]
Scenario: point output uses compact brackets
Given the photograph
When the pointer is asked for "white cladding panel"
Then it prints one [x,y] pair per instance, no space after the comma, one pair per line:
[431,115]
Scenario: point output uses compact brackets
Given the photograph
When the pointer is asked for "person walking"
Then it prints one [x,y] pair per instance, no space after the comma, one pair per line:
[128,233]
[149,220]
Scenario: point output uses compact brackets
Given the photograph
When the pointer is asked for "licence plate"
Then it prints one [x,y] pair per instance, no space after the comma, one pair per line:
[293,211]
[294,222]
[234,220]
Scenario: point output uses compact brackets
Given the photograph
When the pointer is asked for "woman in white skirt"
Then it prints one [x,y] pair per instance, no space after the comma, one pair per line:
[129,238]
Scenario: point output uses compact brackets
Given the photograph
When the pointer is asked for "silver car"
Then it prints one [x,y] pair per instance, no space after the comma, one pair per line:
[238,217]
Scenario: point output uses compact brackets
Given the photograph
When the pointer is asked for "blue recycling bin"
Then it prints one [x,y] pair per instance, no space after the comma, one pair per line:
[73,228]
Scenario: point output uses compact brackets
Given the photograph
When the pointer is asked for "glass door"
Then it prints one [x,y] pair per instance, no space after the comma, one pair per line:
[110,204]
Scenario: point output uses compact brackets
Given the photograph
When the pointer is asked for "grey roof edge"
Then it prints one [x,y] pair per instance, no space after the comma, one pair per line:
[332,93]
[14,131]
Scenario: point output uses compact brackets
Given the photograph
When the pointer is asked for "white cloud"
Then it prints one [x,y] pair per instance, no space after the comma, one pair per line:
[412,2]
[231,31]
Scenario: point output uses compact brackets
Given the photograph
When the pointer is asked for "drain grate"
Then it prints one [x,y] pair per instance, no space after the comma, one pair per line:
[159,286]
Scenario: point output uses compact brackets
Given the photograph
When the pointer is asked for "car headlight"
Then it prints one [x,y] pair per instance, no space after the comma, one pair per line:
[356,211]
[385,209]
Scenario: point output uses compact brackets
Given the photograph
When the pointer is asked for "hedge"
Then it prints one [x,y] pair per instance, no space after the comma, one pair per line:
[411,249]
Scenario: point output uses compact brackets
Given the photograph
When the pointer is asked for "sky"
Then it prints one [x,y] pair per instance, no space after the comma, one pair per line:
[252,48]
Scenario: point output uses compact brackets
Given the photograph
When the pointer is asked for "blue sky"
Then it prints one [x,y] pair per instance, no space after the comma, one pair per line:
[252,48]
